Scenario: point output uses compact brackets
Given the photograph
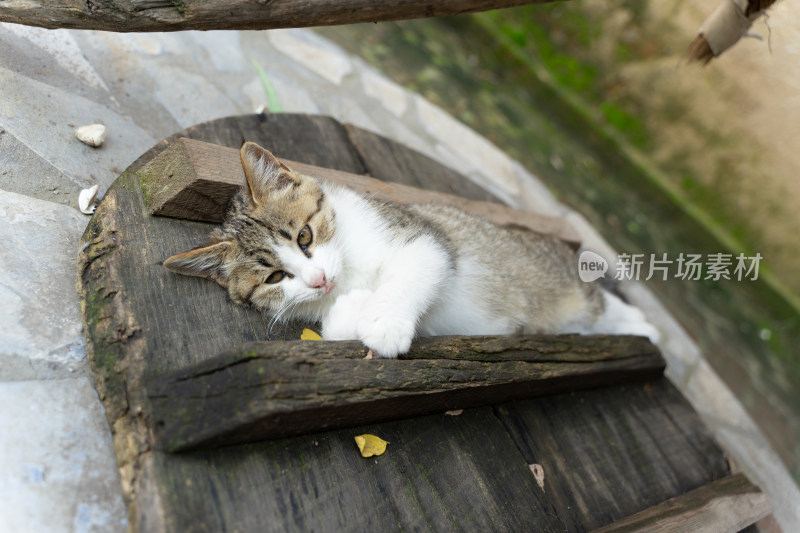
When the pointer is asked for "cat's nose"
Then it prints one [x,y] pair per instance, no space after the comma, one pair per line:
[315,278]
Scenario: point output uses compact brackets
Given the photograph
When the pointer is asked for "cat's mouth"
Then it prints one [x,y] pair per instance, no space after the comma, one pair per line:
[328,287]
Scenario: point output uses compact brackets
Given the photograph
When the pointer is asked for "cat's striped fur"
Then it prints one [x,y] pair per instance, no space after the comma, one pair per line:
[384,273]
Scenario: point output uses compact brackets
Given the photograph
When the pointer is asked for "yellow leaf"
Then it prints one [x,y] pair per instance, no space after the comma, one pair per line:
[309,335]
[370,445]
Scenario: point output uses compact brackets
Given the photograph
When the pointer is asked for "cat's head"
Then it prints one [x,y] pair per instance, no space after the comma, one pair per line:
[276,246]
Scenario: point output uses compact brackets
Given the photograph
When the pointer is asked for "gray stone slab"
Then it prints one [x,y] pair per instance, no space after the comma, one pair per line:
[193,100]
[127,64]
[57,468]
[40,321]
[52,57]
[482,157]
[390,95]
[24,172]
[292,96]
[44,118]
[223,49]
[169,82]
[318,55]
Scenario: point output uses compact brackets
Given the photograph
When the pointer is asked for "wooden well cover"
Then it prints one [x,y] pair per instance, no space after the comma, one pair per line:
[177,368]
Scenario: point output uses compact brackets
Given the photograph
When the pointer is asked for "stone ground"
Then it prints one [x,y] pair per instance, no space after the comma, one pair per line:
[57,466]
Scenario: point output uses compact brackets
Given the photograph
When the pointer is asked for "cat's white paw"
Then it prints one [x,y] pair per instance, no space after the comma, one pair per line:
[343,318]
[360,315]
[386,333]
[643,328]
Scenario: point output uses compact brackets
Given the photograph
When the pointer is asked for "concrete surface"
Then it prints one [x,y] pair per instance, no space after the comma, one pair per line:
[57,468]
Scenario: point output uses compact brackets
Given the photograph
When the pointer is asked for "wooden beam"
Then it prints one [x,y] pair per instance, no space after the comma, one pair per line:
[728,504]
[174,15]
[286,388]
[195,180]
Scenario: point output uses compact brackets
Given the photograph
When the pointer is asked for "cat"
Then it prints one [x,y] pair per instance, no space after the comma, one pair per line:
[384,273]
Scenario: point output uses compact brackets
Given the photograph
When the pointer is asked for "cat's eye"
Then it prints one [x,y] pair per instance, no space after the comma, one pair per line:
[276,276]
[305,237]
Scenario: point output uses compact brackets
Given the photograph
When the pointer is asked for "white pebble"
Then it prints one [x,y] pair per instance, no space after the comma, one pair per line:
[86,200]
[93,135]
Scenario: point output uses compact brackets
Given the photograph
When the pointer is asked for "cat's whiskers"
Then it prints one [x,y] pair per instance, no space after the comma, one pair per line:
[279,314]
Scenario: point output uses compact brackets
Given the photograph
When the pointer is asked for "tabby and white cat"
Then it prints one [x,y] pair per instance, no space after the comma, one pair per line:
[384,273]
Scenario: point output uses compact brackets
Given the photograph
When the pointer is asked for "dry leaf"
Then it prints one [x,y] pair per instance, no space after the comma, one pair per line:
[309,335]
[370,445]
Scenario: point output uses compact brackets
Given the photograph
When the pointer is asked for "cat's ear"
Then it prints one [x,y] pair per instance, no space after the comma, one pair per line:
[205,261]
[265,173]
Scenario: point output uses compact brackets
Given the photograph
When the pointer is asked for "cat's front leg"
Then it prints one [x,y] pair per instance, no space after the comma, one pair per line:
[374,320]
[410,282]
[341,323]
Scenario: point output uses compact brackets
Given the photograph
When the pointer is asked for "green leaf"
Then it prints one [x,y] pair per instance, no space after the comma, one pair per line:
[273,103]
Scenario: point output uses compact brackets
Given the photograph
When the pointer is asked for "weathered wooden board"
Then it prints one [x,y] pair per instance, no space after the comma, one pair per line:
[288,136]
[194,180]
[280,389]
[174,15]
[440,472]
[728,504]
[609,453]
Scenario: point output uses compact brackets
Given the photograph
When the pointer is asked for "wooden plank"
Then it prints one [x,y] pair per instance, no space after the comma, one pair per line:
[175,15]
[383,157]
[729,504]
[320,141]
[609,453]
[313,139]
[439,473]
[194,180]
[281,389]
